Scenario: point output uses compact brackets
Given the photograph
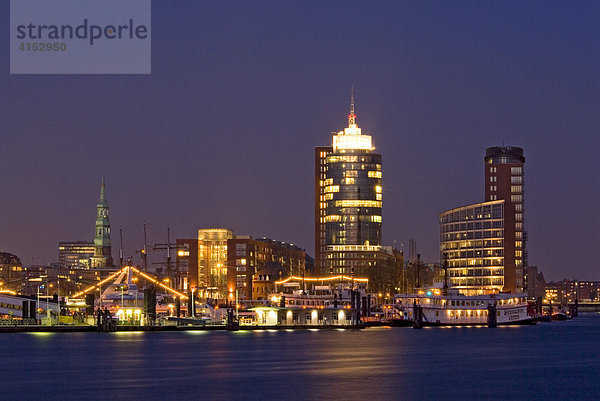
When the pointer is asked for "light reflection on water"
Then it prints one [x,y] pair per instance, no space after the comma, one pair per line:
[553,360]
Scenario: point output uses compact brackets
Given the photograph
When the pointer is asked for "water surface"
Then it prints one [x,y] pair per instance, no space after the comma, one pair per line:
[558,361]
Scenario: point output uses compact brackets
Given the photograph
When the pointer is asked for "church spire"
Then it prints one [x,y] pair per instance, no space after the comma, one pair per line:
[102,190]
[102,253]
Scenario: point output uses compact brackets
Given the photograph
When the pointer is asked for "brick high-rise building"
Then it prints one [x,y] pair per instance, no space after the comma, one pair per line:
[321,153]
[504,180]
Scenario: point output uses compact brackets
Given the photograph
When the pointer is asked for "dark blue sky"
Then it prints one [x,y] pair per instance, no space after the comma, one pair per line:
[222,133]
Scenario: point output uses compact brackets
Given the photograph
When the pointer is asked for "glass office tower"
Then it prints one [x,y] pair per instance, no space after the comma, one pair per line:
[350,202]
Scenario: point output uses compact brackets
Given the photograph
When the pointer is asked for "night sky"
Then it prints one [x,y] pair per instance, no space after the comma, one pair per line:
[222,133]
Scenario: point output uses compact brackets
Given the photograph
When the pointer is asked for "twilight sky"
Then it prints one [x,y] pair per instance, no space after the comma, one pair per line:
[221,134]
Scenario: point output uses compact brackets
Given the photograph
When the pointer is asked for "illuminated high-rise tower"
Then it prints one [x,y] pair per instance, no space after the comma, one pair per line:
[348,202]
[102,247]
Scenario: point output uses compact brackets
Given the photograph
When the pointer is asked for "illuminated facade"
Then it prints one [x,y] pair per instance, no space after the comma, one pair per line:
[10,272]
[472,237]
[212,262]
[186,263]
[102,246]
[247,258]
[504,179]
[348,202]
[321,153]
[76,255]
[485,242]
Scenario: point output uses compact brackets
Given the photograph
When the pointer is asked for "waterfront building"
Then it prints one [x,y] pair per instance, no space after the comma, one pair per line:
[246,257]
[504,180]
[321,153]
[536,283]
[485,242]
[348,202]
[212,262]
[102,246]
[472,240]
[314,316]
[567,291]
[76,255]
[186,262]
[263,281]
[10,272]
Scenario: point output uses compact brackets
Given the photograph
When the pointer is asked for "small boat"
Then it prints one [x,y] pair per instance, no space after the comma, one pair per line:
[559,316]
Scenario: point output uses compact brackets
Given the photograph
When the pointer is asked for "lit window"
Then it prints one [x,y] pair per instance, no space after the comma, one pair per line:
[516,189]
[374,174]
[516,198]
[378,189]
[516,170]
[349,181]
[358,203]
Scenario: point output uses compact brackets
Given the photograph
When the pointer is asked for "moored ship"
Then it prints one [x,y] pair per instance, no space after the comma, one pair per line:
[431,308]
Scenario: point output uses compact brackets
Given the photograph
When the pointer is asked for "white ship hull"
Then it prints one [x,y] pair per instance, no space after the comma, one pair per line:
[459,310]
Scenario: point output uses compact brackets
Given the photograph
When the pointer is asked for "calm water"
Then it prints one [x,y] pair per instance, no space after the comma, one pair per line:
[558,361]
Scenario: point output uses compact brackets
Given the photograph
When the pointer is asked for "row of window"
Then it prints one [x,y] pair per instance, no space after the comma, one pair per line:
[472,235]
[477,225]
[473,244]
[513,170]
[333,218]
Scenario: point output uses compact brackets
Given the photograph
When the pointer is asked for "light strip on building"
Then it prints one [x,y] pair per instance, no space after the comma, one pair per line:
[362,280]
[99,284]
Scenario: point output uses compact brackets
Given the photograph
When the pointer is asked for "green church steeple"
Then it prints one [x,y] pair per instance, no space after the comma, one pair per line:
[102,253]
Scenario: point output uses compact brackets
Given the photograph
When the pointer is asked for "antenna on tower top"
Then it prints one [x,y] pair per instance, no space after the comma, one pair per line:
[352,116]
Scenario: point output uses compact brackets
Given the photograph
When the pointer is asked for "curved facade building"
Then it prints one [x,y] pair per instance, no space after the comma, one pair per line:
[353,198]
[472,239]
[349,203]
[485,242]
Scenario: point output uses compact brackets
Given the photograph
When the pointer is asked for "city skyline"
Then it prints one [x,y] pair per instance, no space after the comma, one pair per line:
[202,142]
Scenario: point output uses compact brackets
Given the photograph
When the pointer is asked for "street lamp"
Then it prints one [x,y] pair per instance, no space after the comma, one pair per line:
[122,300]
